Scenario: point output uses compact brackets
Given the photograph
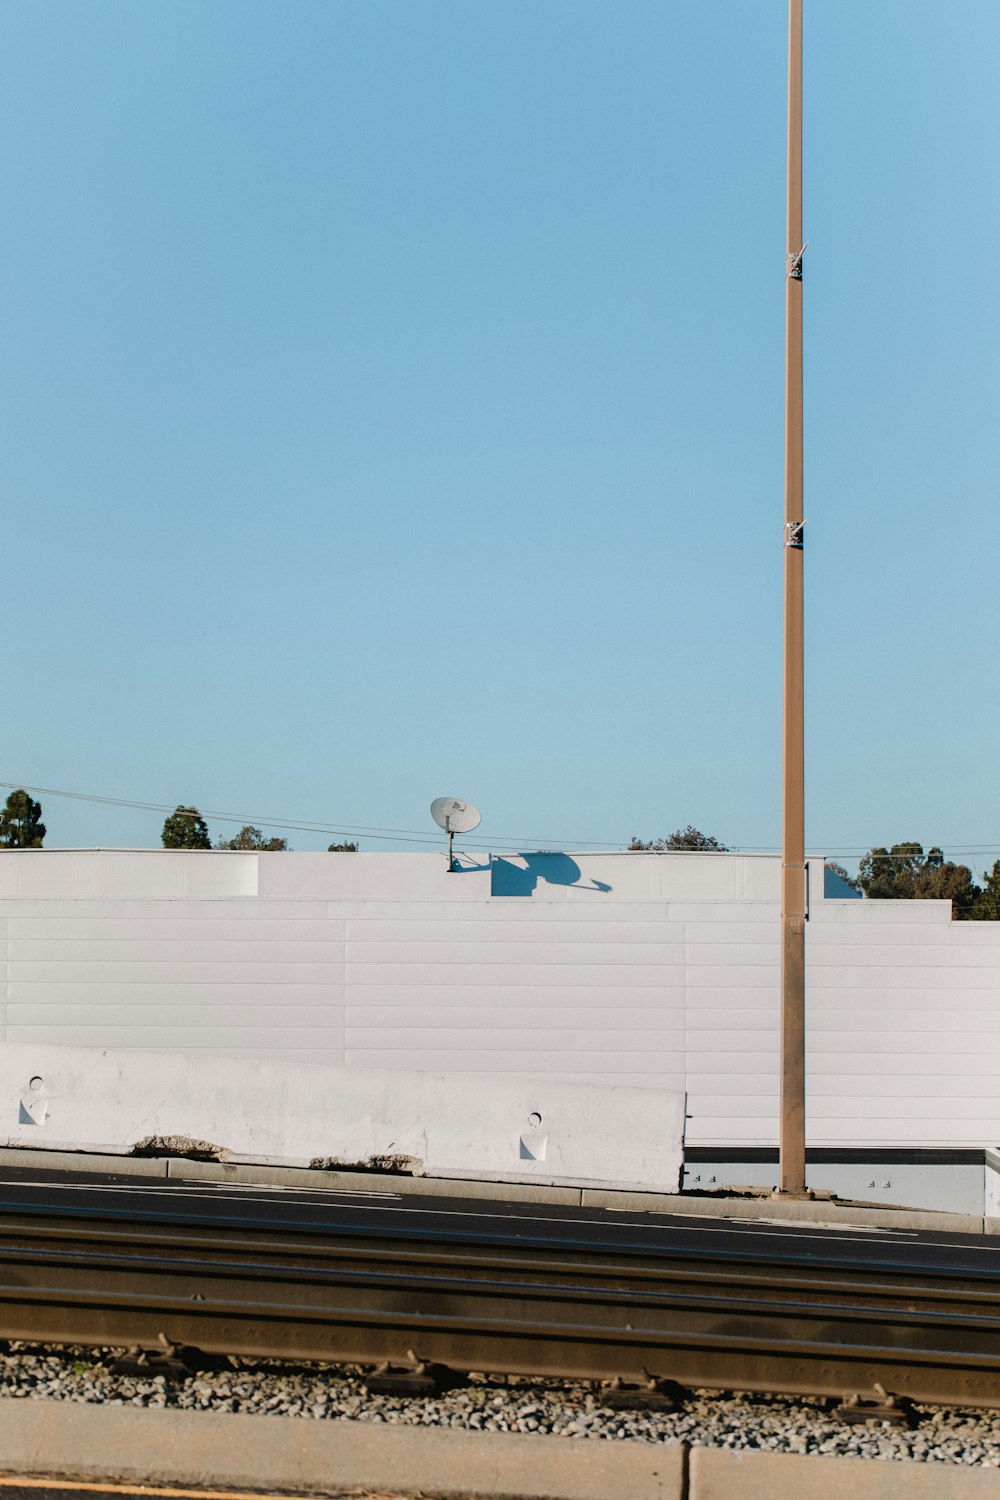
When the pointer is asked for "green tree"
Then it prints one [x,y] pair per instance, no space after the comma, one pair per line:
[682,838]
[906,873]
[251,838]
[21,825]
[890,874]
[185,828]
[342,849]
[987,908]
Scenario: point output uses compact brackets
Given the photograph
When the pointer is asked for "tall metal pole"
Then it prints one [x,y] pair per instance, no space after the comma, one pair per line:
[792,1171]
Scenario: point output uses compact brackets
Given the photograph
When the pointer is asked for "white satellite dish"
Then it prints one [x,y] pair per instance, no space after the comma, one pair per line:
[454,816]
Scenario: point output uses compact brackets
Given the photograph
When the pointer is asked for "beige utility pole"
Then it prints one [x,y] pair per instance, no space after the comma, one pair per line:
[792,1170]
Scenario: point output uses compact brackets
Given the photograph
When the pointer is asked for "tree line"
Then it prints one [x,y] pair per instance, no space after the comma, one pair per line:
[901,873]
[21,827]
[185,828]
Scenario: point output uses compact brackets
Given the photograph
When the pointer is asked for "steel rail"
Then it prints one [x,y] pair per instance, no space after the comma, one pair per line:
[727,1318]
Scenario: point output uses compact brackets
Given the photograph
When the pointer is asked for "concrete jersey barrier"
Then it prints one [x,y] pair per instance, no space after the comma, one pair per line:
[498,1129]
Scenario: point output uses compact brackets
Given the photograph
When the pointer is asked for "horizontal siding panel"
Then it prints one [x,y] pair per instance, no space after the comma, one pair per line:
[130,994]
[473,975]
[942,956]
[253,909]
[746,955]
[545,1040]
[942,979]
[888,1042]
[289,1017]
[932,1133]
[871,914]
[518,997]
[572,914]
[523,1017]
[171,949]
[862,1025]
[519,955]
[472,929]
[174,929]
[723,911]
[899,1007]
[667,1080]
[736,1044]
[725,1018]
[896,1006]
[908,1115]
[738,1092]
[525,1061]
[140,974]
[703,934]
[752,996]
[848,1089]
[865,934]
[712,975]
[178,1038]
[722,1105]
[844,1063]
[325,1056]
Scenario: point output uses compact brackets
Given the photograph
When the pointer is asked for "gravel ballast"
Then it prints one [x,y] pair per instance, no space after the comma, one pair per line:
[735,1421]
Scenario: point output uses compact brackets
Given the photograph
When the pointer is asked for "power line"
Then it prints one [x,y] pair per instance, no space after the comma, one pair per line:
[301,825]
[507,842]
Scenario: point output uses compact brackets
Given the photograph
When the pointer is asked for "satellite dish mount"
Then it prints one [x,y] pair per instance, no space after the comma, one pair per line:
[454,816]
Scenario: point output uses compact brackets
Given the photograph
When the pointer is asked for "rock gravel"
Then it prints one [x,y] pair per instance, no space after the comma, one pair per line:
[494,1404]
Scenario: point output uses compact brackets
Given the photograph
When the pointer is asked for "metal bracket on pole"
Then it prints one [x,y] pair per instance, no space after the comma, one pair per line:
[793,263]
[794,534]
[804,913]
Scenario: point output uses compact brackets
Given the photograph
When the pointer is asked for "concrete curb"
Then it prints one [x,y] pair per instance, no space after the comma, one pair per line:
[718,1474]
[217,1449]
[822,1212]
[63,1439]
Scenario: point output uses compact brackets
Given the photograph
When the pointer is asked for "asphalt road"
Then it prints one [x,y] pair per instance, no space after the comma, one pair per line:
[394,1215]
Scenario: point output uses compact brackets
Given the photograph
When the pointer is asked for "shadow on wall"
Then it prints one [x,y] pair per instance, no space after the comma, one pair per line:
[835,887]
[510,879]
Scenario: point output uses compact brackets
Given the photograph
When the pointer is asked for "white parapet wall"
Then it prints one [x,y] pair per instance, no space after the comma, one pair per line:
[652,971]
[489,1128]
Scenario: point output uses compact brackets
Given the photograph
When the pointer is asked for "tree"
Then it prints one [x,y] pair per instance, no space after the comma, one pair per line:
[682,838]
[906,873]
[987,908]
[21,825]
[342,849]
[889,874]
[251,838]
[185,828]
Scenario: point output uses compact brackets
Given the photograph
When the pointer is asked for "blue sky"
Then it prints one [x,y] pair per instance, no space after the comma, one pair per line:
[392,406]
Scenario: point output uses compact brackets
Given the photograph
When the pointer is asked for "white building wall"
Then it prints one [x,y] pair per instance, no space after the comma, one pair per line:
[657,970]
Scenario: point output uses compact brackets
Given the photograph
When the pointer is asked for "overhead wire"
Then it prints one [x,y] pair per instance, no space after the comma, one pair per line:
[302,825]
[505,842]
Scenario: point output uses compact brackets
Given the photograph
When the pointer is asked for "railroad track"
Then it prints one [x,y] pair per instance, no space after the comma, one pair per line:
[735,1320]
